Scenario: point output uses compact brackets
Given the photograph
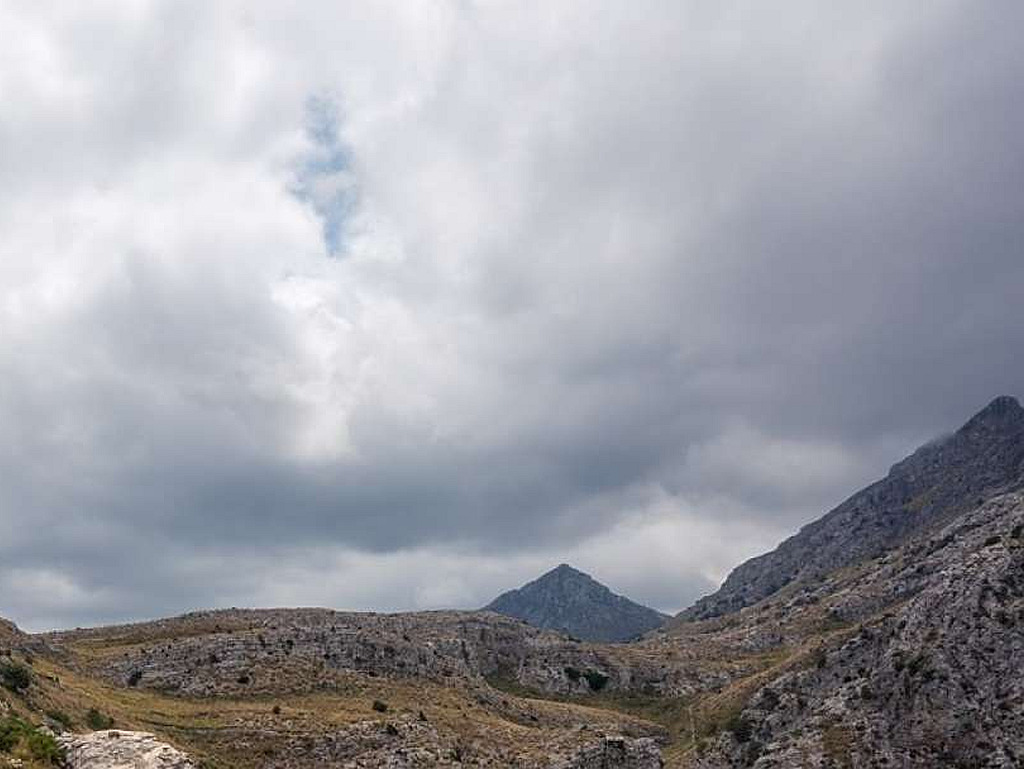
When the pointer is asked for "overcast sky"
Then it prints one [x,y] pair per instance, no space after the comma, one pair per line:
[396,305]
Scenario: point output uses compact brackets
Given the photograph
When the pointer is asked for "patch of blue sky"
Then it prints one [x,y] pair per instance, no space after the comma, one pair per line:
[324,178]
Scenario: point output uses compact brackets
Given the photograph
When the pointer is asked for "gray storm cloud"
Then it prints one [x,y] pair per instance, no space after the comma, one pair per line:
[395,306]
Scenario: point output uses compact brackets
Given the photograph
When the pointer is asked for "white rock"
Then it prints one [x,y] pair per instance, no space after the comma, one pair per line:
[116,749]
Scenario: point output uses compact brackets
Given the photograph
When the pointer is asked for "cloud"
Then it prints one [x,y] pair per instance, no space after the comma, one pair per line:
[427,297]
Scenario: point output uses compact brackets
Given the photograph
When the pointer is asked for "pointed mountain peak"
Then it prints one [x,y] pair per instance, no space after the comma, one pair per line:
[1004,410]
[569,600]
[565,571]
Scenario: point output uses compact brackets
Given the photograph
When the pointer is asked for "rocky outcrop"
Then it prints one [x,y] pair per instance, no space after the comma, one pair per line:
[938,481]
[409,743]
[9,634]
[616,753]
[573,602]
[115,749]
[927,675]
[245,653]
[266,651]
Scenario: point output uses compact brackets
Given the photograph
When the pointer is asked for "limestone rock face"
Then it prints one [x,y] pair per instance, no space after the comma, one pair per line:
[931,680]
[115,749]
[407,744]
[245,653]
[568,600]
[617,753]
[938,481]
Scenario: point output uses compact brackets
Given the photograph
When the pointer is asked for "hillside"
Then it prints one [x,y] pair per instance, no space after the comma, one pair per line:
[568,600]
[907,654]
[8,632]
[312,687]
[937,481]
[912,660]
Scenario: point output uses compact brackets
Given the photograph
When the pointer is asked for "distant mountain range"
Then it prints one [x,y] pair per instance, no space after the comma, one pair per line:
[566,599]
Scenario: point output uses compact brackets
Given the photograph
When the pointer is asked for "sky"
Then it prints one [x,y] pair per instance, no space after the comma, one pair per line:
[396,305]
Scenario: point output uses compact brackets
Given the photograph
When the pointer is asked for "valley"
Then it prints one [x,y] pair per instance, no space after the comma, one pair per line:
[897,647]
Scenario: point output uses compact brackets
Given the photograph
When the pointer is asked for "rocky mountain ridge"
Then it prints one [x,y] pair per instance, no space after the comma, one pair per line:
[568,600]
[938,481]
[258,652]
[921,668]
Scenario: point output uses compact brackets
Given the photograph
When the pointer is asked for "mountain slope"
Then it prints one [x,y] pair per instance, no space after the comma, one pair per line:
[281,689]
[920,666]
[569,600]
[940,479]
[8,631]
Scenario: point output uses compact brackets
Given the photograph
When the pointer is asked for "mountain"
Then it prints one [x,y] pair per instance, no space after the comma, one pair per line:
[897,645]
[288,688]
[568,600]
[939,480]
[909,660]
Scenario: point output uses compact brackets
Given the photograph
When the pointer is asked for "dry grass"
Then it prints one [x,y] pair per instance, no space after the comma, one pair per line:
[241,732]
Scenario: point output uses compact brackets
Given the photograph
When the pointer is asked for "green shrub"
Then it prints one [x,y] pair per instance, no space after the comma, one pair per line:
[59,717]
[15,676]
[573,674]
[98,721]
[380,707]
[596,680]
[741,727]
[43,747]
[18,735]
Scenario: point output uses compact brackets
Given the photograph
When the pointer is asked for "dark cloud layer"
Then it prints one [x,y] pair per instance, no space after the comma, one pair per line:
[395,307]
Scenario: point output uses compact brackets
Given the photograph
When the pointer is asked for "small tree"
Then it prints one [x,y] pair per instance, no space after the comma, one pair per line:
[596,679]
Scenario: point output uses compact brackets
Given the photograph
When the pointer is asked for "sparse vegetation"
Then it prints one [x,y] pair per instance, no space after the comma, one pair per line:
[25,742]
[740,727]
[837,743]
[596,680]
[60,718]
[98,721]
[15,676]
